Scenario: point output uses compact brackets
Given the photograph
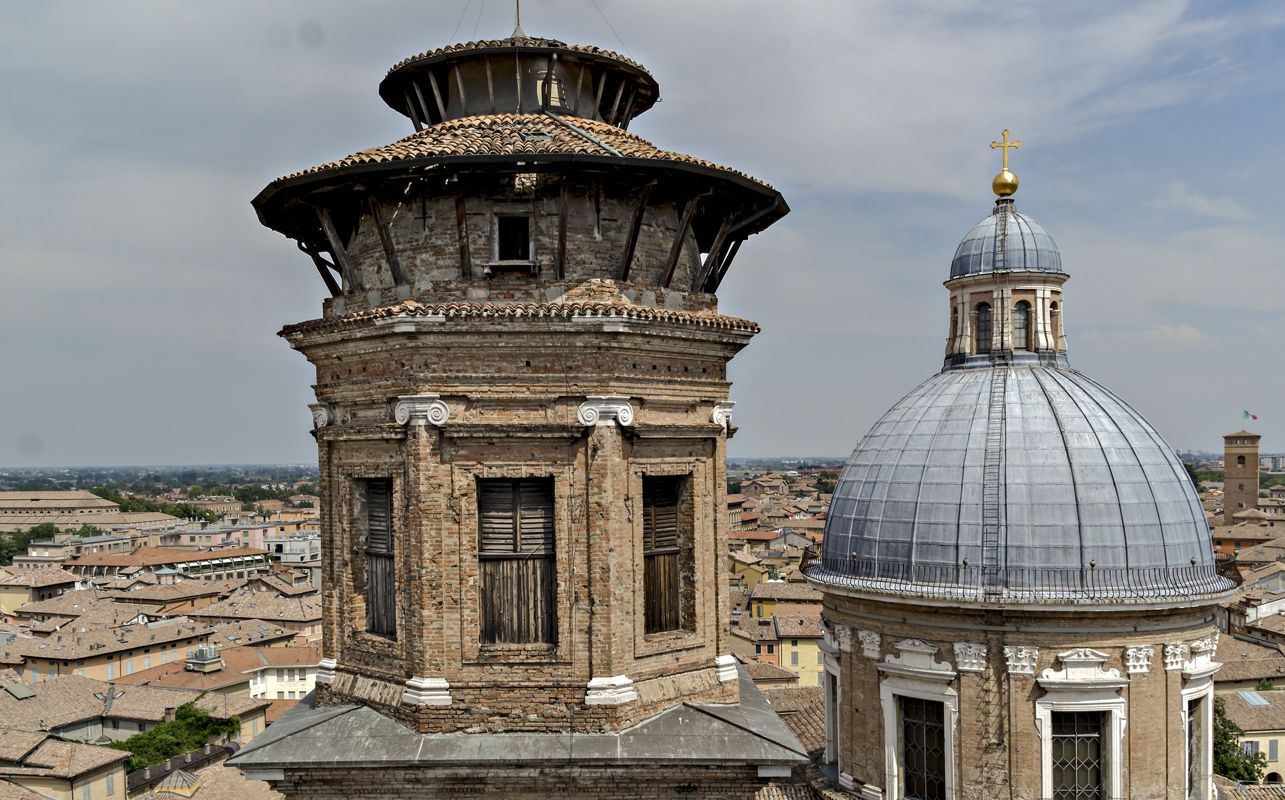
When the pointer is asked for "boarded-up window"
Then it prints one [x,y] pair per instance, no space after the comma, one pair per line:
[662,553]
[377,503]
[517,564]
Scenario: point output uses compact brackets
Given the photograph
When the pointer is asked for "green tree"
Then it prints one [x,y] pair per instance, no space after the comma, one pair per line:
[1230,760]
[190,729]
[733,487]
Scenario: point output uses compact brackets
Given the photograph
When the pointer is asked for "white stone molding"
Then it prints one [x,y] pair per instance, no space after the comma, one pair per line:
[1198,688]
[726,666]
[421,409]
[1175,656]
[970,657]
[846,781]
[1021,659]
[614,691]
[604,410]
[1082,668]
[1137,660]
[843,638]
[321,415]
[914,671]
[326,671]
[1200,666]
[868,792]
[722,414]
[426,692]
[1083,684]
[870,642]
[918,659]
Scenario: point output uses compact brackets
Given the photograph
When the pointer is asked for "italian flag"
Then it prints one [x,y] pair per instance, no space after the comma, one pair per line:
[1248,415]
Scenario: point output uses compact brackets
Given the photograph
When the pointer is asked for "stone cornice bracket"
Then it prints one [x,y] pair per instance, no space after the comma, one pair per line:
[1175,656]
[614,691]
[726,666]
[426,692]
[1021,660]
[722,414]
[421,409]
[1137,660]
[326,670]
[870,643]
[596,410]
[322,416]
[970,657]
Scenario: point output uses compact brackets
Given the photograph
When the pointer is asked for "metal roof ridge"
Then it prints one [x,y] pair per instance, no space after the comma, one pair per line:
[583,134]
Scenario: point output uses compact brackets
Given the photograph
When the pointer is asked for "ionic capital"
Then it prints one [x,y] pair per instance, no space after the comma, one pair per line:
[605,410]
[421,409]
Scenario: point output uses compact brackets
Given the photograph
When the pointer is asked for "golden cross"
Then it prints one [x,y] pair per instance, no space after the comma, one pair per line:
[1005,144]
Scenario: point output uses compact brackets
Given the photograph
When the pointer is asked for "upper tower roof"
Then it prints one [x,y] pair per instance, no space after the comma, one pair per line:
[1006,241]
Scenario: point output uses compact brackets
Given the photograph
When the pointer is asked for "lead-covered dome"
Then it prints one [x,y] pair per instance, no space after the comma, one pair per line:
[1024,483]
[1006,241]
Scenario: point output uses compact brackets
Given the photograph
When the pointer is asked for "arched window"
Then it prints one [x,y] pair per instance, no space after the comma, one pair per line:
[1022,326]
[1240,461]
[954,324]
[983,337]
[1055,323]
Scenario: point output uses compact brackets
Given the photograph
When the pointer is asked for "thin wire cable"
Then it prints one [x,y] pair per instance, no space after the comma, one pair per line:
[612,27]
[459,21]
[478,22]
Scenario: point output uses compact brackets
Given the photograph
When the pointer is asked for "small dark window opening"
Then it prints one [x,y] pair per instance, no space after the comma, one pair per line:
[923,748]
[1240,462]
[1022,326]
[376,503]
[513,238]
[1078,763]
[516,560]
[983,337]
[666,555]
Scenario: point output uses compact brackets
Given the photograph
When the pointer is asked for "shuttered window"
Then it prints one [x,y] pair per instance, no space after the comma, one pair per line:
[377,496]
[662,574]
[517,565]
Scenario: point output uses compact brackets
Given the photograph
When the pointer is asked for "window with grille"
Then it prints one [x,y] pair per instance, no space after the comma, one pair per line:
[663,535]
[516,555]
[1022,326]
[1077,764]
[375,497]
[983,338]
[923,749]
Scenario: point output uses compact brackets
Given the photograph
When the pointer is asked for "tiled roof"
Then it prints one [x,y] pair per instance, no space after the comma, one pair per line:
[1248,661]
[184,590]
[517,136]
[218,782]
[1254,717]
[16,744]
[248,631]
[67,604]
[1232,790]
[264,606]
[34,501]
[784,590]
[156,556]
[238,664]
[57,759]
[526,311]
[529,41]
[802,709]
[40,577]
[763,671]
[798,623]
[12,791]
[77,644]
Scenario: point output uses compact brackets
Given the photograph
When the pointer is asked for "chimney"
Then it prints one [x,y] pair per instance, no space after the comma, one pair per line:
[169,714]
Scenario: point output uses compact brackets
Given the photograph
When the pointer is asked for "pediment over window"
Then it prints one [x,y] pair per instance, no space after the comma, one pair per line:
[917,658]
[1082,667]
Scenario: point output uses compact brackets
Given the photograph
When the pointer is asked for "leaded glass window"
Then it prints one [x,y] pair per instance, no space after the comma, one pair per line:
[1022,326]
[983,337]
[1077,755]
[923,749]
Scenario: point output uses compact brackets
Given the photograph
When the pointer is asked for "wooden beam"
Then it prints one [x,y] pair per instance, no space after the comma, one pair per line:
[386,239]
[437,94]
[624,117]
[635,224]
[414,114]
[461,234]
[548,81]
[575,108]
[423,104]
[684,225]
[323,267]
[562,231]
[459,84]
[517,79]
[490,84]
[337,247]
[615,104]
[597,100]
[727,263]
[711,258]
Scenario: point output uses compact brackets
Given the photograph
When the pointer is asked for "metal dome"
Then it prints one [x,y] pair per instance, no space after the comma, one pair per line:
[1026,246]
[1057,491]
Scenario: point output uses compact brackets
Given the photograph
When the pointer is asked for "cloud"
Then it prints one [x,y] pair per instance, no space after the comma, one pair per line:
[1179,196]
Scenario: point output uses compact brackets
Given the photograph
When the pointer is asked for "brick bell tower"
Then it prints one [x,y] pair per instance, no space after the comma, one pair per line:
[521,419]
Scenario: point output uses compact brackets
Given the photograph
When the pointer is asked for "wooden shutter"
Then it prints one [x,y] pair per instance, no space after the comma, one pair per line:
[662,582]
[381,584]
[516,555]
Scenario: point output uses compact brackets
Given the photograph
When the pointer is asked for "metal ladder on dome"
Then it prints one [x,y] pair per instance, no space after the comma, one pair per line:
[992,482]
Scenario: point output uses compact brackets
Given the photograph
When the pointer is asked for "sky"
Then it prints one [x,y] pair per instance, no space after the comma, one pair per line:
[141,297]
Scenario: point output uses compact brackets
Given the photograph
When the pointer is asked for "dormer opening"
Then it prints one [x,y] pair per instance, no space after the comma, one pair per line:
[513,238]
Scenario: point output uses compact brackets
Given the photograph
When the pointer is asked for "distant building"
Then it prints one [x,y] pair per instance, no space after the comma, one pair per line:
[1240,481]
[105,653]
[295,548]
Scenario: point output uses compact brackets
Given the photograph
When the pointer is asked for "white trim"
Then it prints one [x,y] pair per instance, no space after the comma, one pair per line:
[421,409]
[726,666]
[603,410]
[1083,684]
[426,692]
[915,672]
[614,691]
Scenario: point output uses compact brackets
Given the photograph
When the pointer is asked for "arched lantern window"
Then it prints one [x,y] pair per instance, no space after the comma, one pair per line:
[983,337]
[1055,323]
[1022,326]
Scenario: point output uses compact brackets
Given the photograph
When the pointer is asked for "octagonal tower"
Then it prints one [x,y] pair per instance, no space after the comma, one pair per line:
[521,418]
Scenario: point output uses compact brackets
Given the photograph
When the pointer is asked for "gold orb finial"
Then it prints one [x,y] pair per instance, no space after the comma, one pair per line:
[1005,183]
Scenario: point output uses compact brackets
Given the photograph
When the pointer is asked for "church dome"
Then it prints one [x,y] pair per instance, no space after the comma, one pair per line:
[1006,241]
[1026,483]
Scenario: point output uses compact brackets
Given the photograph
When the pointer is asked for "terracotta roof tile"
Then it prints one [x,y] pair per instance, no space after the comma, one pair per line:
[529,41]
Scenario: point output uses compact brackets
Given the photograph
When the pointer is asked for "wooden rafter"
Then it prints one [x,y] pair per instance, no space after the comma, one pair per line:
[490,84]
[337,247]
[437,95]
[423,104]
[726,265]
[386,240]
[715,250]
[459,84]
[412,111]
[635,225]
[324,267]
[684,225]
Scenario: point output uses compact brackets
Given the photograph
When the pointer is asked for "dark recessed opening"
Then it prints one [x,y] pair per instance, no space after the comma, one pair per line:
[514,237]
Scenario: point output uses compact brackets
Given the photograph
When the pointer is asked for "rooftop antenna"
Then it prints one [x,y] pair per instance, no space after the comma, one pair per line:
[518,33]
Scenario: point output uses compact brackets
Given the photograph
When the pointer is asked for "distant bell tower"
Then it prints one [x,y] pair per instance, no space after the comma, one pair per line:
[522,416]
[1240,474]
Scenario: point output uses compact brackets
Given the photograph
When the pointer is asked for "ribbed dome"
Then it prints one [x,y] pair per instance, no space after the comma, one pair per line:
[1006,241]
[1057,491]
